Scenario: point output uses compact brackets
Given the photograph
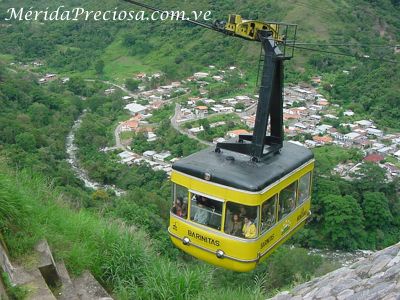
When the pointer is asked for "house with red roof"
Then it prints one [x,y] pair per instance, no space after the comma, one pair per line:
[374,158]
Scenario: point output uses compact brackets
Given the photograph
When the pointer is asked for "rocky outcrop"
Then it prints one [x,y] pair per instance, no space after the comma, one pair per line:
[374,277]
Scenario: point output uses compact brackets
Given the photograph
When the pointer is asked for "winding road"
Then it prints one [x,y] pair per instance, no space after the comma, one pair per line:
[175,124]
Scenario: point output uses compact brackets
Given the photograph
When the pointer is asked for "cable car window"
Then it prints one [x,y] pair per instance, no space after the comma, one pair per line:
[268,217]
[287,200]
[304,187]
[180,201]
[241,220]
[206,211]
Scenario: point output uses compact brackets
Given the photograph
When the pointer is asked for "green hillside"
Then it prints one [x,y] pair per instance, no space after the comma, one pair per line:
[178,49]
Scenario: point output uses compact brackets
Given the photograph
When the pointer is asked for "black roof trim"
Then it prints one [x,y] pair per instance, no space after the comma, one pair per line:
[240,172]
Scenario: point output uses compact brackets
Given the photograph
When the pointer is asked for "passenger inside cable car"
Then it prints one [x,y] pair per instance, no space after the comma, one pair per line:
[180,205]
[287,200]
[268,214]
[233,224]
[206,211]
[249,228]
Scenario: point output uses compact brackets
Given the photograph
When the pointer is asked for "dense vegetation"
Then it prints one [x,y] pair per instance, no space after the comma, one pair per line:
[362,213]
[125,264]
[122,256]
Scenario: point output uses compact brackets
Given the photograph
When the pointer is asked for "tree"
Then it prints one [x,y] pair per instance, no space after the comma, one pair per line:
[26,141]
[371,178]
[99,67]
[205,123]
[240,106]
[100,195]
[376,210]
[76,85]
[343,222]
[132,84]
[39,114]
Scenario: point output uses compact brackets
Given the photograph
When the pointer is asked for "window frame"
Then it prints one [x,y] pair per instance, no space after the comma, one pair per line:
[257,217]
[309,188]
[193,193]
[279,208]
[276,199]
[174,198]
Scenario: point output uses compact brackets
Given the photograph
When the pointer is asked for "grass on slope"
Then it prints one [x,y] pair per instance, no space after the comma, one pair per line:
[119,65]
[120,257]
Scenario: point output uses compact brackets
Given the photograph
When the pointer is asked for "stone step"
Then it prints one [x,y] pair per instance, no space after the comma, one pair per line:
[67,290]
[88,288]
[34,282]
[47,265]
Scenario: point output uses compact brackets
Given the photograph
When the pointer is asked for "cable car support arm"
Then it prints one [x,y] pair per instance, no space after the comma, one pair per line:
[270,105]
[259,145]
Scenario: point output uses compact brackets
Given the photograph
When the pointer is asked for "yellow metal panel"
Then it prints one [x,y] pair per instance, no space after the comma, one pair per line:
[241,254]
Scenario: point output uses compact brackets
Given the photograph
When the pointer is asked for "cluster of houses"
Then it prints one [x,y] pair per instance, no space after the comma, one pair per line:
[200,107]
[163,92]
[350,170]
[51,77]
[154,96]
[308,113]
[157,161]
[29,65]
[155,99]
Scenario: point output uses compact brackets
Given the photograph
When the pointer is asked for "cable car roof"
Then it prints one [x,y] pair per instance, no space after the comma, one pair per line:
[240,172]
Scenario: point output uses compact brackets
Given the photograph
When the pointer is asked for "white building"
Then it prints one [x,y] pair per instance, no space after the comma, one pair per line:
[200,75]
[109,91]
[375,132]
[218,78]
[227,109]
[196,130]
[219,140]
[135,108]
[364,123]
[300,125]
[311,144]
[242,98]
[329,116]
[209,101]
[323,128]
[162,156]
[385,150]
[126,154]
[149,154]
[151,137]
[351,136]
[348,113]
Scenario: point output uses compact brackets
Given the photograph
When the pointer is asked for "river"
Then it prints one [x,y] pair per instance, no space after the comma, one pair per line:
[72,159]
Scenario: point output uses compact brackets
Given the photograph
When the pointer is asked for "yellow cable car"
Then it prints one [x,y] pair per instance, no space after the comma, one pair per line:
[235,204]
[232,212]
[248,29]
